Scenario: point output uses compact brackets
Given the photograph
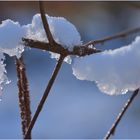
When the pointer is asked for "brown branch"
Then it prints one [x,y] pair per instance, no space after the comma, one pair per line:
[23,94]
[121,114]
[118,35]
[26,94]
[77,50]
[83,51]
[45,24]
[45,95]
[44,46]
[21,97]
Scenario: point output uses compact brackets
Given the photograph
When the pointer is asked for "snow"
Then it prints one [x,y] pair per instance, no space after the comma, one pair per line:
[57,56]
[3,77]
[62,31]
[114,71]
[10,43]
[11,34]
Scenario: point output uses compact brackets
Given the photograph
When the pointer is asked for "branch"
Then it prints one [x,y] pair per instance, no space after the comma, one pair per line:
[121,114]
[45,46]
[23,95]
[83,51]
[45,24]
[118,35]
[44,97]
[77,50]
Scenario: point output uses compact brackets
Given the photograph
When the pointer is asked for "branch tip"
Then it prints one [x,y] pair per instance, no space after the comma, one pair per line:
[111,131]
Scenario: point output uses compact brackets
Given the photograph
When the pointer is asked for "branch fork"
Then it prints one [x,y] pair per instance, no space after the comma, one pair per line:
[82,50]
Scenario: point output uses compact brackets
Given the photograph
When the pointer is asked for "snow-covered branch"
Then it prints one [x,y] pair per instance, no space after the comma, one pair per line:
[82,50]
[111,70]
[77,50]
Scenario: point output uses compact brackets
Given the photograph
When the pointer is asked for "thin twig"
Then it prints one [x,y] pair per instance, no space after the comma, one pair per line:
[23,94]
[45,95]
[118,35]
[45,24]
[121,114]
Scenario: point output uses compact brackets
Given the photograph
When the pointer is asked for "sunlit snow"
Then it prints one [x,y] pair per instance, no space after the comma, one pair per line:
[11,34]
[114,71]
[62,31]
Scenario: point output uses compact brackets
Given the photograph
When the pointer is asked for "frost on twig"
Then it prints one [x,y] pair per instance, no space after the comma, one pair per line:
[24,97]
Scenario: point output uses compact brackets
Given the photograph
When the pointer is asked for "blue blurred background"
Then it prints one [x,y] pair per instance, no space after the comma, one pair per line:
[74,109]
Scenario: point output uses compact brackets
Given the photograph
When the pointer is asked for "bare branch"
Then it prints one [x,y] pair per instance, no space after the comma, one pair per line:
[121,114]
[45,95]
[45,24]
[45,46]
[118,35]
[83,51]
[77,50]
